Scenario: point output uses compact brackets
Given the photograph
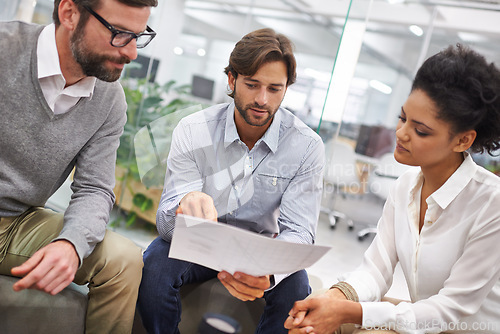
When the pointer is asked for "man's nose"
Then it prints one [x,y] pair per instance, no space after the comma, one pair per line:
[130,50]
[262,97]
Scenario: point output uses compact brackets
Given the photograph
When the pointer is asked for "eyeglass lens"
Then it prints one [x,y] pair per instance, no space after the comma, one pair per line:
[123,38]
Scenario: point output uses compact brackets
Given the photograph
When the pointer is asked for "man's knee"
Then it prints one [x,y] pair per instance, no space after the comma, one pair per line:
[294,287]
[298,282]
[160,269]
[158,248]
[115,257]
[122,253]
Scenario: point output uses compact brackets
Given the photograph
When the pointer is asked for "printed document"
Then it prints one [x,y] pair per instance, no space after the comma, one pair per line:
[223,247]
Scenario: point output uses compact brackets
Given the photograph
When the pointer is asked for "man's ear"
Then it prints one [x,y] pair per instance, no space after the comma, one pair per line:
[464,140]
[231,80]
[68,14]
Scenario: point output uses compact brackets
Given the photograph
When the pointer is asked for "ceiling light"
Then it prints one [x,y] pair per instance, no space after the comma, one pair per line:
[318,75]
[472,37]
[380,86]
[416,30]
[201,52]
[178,50]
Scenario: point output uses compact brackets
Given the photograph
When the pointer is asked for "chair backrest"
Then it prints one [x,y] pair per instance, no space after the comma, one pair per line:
[389,167]
[340,168]
[385,174]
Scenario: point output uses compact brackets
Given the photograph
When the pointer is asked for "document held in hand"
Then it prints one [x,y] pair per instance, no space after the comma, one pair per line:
[223,247]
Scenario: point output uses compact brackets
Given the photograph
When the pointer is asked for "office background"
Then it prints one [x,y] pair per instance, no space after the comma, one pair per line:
[356,60]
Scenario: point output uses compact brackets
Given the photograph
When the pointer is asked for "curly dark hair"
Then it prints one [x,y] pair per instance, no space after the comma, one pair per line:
[466,90]
[260,47]
[95,4]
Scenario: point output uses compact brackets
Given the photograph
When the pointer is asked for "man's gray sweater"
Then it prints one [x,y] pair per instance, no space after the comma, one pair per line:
[38,149]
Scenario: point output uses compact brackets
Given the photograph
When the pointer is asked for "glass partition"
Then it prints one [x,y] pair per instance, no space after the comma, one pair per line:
[181,71]
[184,67]
[387,49]
[398,37]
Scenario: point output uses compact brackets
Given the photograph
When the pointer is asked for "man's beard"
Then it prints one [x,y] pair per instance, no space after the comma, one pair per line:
[243,110]
[93,64]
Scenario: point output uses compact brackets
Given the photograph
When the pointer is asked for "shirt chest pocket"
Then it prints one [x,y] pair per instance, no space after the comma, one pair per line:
[269,189]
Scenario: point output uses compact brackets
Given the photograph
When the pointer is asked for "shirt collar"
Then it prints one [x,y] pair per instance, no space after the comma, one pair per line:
[415,187]
[48,59]
[270,137]
[231,134]
[451,188]
[455,183]
[48,64]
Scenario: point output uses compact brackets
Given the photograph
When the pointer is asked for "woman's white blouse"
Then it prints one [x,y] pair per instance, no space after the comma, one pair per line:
[452,267]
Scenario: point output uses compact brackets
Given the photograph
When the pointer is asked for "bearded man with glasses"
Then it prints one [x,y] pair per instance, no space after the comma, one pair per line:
[63,110]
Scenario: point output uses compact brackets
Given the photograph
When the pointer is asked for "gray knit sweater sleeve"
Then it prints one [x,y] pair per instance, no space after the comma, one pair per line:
[86,217]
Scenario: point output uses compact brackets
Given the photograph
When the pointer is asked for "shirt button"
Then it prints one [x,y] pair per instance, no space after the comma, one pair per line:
[235,187]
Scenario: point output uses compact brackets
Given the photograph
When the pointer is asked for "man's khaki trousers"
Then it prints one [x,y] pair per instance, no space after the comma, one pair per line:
[112,272]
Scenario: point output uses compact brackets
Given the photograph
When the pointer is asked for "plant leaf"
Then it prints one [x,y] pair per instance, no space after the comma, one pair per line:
[139,199]
[148,204]
[131,217]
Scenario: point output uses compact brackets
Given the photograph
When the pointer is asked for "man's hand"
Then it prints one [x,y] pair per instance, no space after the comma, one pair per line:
[198,204]
[50,269]
[243,286]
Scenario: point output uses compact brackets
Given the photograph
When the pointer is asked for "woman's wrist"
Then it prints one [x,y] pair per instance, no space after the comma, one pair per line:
[347,290]
[346,303]
[350,312]
[335,293]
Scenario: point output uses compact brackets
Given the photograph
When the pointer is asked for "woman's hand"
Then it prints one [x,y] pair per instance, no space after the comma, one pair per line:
[323,314]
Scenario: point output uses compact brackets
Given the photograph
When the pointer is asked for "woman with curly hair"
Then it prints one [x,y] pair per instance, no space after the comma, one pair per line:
[441,221]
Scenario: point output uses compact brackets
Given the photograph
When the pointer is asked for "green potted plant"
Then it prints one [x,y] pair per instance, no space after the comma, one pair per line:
[152,113]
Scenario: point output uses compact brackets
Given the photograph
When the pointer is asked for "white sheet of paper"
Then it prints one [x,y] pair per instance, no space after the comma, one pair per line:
[224,247]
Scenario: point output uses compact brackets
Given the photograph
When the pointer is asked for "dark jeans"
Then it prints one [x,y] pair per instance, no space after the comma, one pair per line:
[159,299]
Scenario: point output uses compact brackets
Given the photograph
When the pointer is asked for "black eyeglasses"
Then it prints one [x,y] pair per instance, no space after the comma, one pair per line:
[120,38]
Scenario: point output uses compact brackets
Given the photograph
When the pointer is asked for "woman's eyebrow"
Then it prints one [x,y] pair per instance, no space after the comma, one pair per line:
[417,122]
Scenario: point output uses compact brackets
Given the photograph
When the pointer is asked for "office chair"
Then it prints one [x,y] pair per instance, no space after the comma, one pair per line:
[386,172]
[339,178]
